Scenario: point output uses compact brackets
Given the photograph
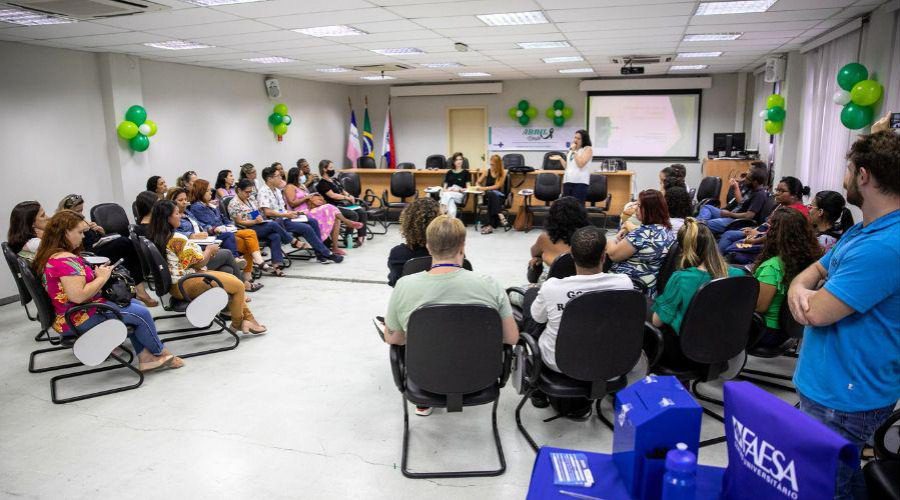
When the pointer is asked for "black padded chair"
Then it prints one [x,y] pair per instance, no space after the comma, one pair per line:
[375,210]
[597,193]
[708,192]
[563,266]
[600,339]
[768,207]
[12,260]
[669,265]
[454,357]
[47,316]
[406,166]
[365,162]
[419,264]
[549,164]
[714,336]
[513,160]
[883,474]
[111,217]
[435,161]
[794,332]
[547,188]
[403,186]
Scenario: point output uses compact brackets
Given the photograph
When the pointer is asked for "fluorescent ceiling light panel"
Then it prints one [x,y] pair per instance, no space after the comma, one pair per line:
[688,67]
[380,77]
[212,3]
[543,45]
[514,18]
[687,55]
[474,74]
[270,60]
[324,31]
[399,51]
[332,70]
[577,70]
[562,59]
[711,37]
[30,18]
[740,7]
[177,45]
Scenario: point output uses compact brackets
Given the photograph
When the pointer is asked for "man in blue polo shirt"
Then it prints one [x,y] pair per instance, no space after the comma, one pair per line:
[848,374]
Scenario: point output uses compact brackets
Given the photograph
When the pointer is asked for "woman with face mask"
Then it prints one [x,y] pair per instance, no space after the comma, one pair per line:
[331,189]
[298,198]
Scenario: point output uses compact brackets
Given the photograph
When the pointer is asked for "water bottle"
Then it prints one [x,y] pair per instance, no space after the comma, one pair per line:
[349,239]
[477,223]
[680,479]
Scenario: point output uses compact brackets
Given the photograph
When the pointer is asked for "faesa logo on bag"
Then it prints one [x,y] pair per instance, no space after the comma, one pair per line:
[765,460]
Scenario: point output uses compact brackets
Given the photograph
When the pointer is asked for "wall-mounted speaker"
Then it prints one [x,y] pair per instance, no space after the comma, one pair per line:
[272,88]
[774,69]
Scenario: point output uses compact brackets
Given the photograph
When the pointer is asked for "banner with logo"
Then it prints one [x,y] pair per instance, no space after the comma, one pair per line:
[530,138]
[777,452]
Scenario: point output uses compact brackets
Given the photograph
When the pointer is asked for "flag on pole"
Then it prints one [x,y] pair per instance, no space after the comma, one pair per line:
[387,141]
[353,152]
[368,141]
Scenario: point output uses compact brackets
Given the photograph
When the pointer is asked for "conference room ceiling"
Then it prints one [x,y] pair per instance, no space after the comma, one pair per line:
[595,31]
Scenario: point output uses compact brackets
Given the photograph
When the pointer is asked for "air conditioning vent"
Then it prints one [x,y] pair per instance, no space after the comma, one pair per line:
[378,68]
[89,9]
[642,60]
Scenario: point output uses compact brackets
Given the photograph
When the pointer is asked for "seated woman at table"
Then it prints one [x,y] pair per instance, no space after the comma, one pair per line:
[334,193]
[71,281]
[186,257]
[491,182]
[640,253]
[26,227]
[298,198]
[224,184]
[414,221]
[455,182]
[565,216]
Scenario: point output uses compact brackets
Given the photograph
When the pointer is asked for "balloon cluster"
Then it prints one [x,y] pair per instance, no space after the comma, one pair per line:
[280,119]
[857,95]
[137,129]
[774,114]
[523,112]
[559,113]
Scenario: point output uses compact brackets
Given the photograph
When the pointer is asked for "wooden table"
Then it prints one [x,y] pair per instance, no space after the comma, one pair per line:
[618,184]
[725,170]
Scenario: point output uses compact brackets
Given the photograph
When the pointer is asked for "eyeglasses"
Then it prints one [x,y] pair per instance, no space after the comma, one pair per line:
[781,190]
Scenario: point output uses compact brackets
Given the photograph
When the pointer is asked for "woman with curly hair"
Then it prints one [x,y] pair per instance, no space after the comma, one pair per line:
[679,202]
[565,216]
[790,247]
[414,221]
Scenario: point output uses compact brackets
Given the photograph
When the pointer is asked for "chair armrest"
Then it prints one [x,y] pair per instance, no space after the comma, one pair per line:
[739,224]
[384,198]
[206,278]
[86,306]
[534,357]
[757,327]
[398,366]
[608,203]
[370,197]
[516,289]
[653,335]
[881,450]
[507,364]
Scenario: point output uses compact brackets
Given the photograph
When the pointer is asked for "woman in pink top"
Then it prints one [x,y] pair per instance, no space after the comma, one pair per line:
[313,205]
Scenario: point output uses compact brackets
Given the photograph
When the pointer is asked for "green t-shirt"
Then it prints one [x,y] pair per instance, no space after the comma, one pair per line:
[458,287]
[671,305]
[771,272]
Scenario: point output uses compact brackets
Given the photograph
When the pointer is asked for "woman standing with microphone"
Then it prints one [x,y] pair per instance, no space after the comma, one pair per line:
[577,176]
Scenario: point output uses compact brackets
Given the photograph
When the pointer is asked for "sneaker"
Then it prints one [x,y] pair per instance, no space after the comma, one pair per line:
[321,259]
[423,411]
[336,258]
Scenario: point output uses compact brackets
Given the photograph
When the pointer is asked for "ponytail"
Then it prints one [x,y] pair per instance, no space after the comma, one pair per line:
[698,248]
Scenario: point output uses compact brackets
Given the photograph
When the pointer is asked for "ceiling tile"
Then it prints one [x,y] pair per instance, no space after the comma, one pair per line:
[168,19]
[46,32]
[251,38]
[470,7]
[449,22]
[764,17]
[273,8]
[331,18]
[214,29]
[747,27]
[128,37]
[624,24]
[808,4]
[624,12]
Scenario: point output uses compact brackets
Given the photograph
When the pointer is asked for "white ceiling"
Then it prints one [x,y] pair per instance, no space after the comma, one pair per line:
[596,29]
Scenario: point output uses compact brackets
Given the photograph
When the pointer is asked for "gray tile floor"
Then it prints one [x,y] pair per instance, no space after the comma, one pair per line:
[308,411]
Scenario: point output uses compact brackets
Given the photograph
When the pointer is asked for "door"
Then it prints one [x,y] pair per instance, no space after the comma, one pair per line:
[468,134]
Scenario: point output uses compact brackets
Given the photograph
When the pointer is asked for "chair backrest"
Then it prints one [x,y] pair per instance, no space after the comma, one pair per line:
[159,267]
[419,264]
[547,187]
[767,209]
[549,164]
[406,166]
[596,192]
[45,312]
[223,206]
[365,162]
[601,334]
[454,349]
[709,187]
[716,325]
[134,211]
[403,184]
[563,266]
[436,161]
[12,260]
[513,160]
[350,182]
[668,266]
[788,324]
[692,194]
[141,254]
[111,217]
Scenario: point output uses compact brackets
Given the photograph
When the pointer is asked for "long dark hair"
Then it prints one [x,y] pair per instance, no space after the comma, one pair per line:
[791,238]
[565,216]
[653,208]
[21,224]
[143,204]
[152,182]
[585,138]
[834,206]
[160,231]
[294,176]
[795,187]
[220,179]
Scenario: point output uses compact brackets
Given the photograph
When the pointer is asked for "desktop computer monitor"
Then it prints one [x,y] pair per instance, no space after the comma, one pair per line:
[728,142]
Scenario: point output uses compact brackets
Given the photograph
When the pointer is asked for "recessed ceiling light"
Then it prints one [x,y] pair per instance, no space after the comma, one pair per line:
[178,45]
[739,7]
[270,60]
[473,74]
[543,45]
[711,37]
[379,77]
[441,65]
[577,70]
[688,67]
[686,55]
[562,59]
[323,31]
[30,18]
[211,3]
[332,70]
[399,51]
[514,18]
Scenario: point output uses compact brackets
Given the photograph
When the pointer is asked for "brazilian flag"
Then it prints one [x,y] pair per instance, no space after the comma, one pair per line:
[368,141]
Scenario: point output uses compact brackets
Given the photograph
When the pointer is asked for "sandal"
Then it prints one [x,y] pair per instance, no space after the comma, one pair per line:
[360,240]
[254,287]
[159,363]
[356,225]
[338,251]
[276,271]
[301,245]
[487,230]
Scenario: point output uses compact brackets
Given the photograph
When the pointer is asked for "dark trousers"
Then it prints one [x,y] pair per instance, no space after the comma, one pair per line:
[276,236]
[577,191]
[358,215]
[309,231]
[494,201]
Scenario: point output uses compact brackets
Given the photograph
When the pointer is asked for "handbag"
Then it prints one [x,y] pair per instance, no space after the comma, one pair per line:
[316,201]
[119,288]
[524,220]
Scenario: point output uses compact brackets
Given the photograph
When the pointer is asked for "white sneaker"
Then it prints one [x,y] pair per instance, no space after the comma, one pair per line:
[423,411]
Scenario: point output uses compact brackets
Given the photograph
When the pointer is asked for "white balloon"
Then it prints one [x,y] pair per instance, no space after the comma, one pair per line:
[145,129]
[558,112]
[519,112]
[841,97]
[764,114]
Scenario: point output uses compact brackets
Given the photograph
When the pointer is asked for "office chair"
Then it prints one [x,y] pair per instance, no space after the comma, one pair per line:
[883,474]
[548,164]
[403,186]
[435,161]
[597,193]
[375,209]
[365,162]
[547,188]
[513,160]
[420,264]
[708,193]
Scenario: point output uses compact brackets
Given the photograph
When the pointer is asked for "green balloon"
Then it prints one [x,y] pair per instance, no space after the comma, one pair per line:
[558,104]
[866,93]
[136,114]
[139,143]
[855,117]
[559,121]
[523,105]
[774,100]
[275,119]
[549,113]
[531,112]
[127,130]
[850,75]
[512,113]
[776,114]
[523,120]
[281,109]
[567,113]
[774,127]
[280,129]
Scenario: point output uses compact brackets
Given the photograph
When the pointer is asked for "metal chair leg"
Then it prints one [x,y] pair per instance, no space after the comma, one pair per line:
[223,328]
[759,381]
[519,424]
[720,418]
[33,358]
[42,336]
[122,364]
[602,417]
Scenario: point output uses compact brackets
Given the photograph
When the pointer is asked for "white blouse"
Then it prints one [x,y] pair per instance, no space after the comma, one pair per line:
[575,174]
